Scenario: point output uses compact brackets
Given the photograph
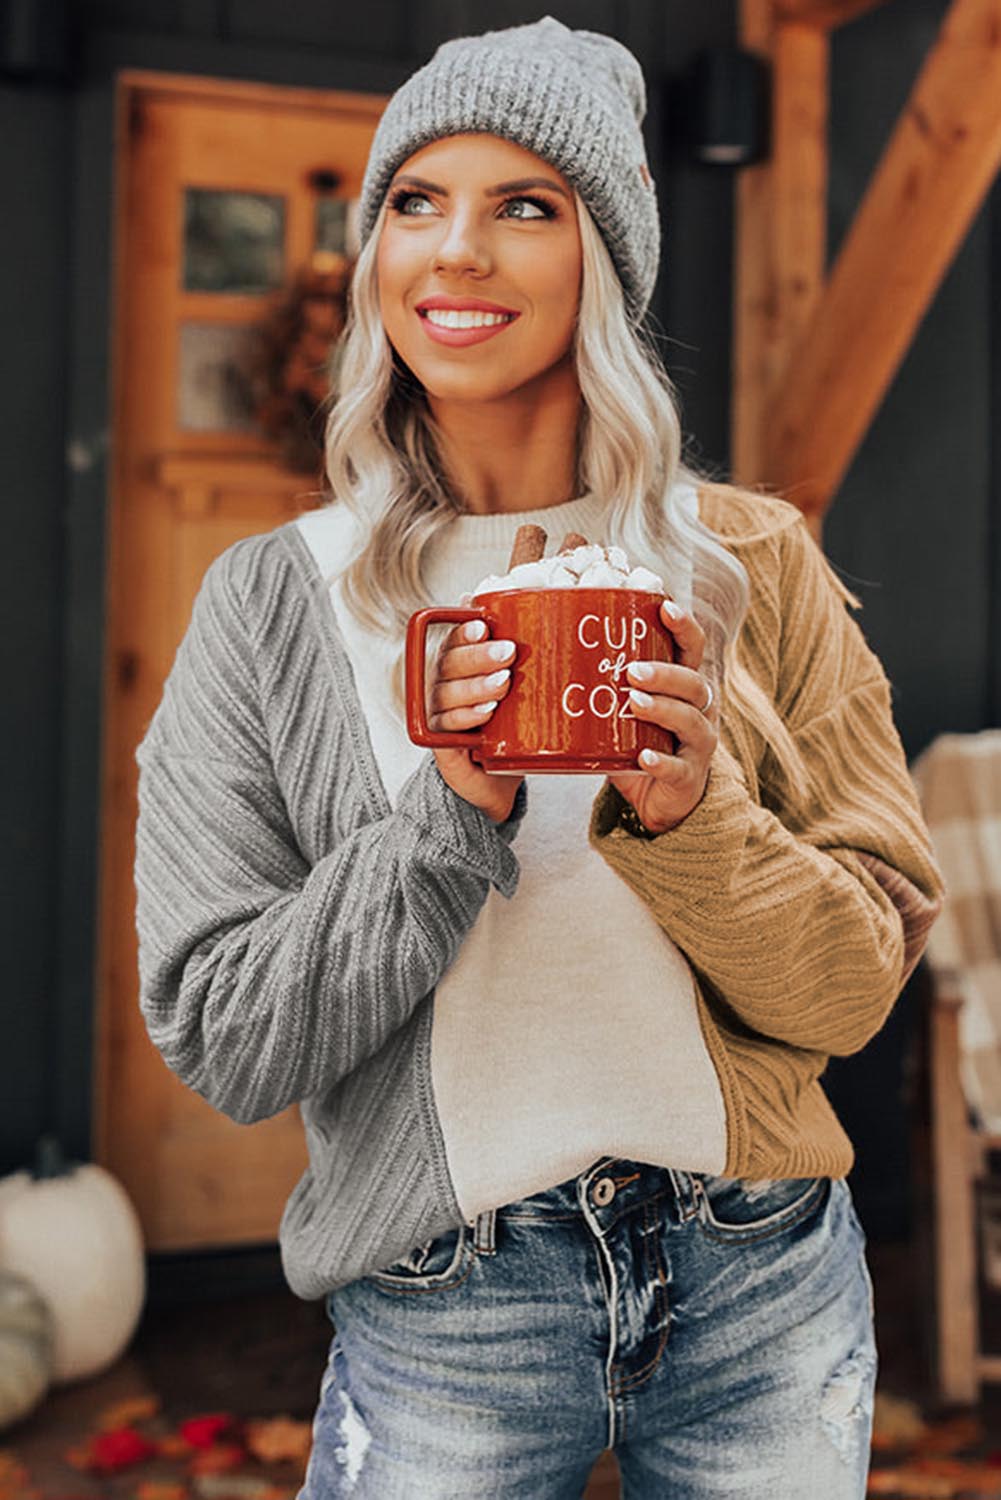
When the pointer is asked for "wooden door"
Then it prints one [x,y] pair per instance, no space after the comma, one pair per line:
[224,190]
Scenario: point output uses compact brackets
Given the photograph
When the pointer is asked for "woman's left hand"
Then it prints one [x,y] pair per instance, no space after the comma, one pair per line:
[675,696]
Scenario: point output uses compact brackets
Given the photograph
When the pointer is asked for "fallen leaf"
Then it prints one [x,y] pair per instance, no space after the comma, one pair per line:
[110,1452]
[896,1421]
[172,1446]
[204,1431]
[128,1412]
[950,1436]
[275,1439]
[237,1487]
[904,1484]
[77,1458]
[223,1458]
[15,1483]
[971,1477]
[162,1489]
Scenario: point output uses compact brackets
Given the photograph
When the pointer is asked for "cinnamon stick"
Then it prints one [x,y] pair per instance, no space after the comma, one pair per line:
[572,541]
[529,545]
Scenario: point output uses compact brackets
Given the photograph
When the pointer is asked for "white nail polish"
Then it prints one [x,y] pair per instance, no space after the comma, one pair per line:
[475,630]
[674,610]
[649,757]
[485,708]
[500,650]
[642,700]
[496,679]
[641,670]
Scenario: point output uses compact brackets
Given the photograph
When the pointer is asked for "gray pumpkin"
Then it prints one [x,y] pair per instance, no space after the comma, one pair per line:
[26,1338]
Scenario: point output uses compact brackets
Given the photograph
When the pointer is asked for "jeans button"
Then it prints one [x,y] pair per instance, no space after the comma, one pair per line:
[603,1191]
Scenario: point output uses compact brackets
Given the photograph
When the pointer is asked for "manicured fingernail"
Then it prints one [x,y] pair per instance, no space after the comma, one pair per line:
[496,679]
[499,650]
[674,610]
[649,757]
[642,700]
[485,708]
[641,670]
[475,630]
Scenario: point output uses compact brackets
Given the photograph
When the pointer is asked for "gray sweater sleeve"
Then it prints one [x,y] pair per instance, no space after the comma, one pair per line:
[266,977]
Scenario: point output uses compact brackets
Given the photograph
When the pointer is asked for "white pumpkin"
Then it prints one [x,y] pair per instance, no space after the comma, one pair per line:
[73,1233]
[25,1348]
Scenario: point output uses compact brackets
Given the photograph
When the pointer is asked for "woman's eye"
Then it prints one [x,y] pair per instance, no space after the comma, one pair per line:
[539,209]
[402,201]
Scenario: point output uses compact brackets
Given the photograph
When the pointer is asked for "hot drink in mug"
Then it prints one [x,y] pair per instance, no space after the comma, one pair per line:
[568,707]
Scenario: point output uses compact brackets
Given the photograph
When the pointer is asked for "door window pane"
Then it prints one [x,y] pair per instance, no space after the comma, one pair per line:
[213,392]
[233,242]
[337,225]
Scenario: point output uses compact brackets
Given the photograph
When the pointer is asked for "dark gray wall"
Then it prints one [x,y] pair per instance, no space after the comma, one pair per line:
[33,320]
[913,520]
[912,527]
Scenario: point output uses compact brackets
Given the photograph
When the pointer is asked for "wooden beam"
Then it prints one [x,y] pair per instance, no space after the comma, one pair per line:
[939,163]
[955,1217]
[782,225]
[825,14]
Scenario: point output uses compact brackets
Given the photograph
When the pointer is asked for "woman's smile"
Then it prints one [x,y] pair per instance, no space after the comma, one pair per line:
[459,326]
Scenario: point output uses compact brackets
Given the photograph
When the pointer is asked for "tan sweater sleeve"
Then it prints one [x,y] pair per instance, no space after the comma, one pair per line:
[808,927]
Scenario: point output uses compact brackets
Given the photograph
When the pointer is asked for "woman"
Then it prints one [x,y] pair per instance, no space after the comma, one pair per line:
[478,990]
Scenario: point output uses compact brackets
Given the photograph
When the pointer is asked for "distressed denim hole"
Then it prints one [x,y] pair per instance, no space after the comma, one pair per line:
[355,1439]
[846,1402]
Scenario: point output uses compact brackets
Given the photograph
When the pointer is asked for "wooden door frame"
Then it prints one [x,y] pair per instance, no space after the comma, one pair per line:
[91,157]
[130,86]
[815,352]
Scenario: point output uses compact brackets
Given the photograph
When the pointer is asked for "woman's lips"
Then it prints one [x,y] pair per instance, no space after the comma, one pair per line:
[458,337]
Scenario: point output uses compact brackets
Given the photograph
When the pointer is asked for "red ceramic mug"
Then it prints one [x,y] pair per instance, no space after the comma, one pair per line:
[567,707]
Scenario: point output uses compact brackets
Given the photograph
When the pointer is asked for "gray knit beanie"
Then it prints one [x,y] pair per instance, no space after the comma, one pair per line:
[575,98]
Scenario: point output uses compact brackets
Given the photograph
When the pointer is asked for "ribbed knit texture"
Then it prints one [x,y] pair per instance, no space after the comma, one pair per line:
[574,98]
[801,929]
[290,924]
[293,925]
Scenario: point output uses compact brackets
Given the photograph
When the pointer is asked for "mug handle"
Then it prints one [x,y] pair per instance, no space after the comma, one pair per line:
[416,662]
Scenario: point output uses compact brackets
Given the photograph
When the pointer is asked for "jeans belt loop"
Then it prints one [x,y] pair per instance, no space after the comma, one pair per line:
[687,1193]
[484,1240]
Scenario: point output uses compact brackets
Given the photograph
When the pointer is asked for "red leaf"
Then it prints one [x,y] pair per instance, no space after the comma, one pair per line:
[109,1452]
[202,1432]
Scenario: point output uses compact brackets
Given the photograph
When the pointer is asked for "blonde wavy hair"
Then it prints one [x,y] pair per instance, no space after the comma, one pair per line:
[383,462]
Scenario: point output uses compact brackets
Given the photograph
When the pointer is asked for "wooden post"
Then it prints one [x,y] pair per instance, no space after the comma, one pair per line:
[782,226]
[955,1239]
[941,159]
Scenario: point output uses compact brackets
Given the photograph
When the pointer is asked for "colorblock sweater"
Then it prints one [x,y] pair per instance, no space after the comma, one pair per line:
[583,1047]
[294,923]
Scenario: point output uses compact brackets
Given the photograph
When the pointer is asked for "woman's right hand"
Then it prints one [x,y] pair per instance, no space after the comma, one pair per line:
[473,674]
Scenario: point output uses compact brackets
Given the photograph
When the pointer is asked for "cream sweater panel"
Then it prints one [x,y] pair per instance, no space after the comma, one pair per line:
[567,1027]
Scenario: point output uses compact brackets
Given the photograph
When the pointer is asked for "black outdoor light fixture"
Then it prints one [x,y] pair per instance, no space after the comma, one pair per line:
[35,41]
[725,113]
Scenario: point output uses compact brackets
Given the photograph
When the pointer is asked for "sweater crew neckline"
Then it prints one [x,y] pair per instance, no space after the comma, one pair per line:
[586,514]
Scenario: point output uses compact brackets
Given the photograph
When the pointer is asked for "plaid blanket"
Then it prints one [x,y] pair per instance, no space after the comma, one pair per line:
[958,779]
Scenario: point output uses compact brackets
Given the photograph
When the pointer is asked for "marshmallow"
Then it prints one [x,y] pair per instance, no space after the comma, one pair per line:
[601,575]
[590,566]
[642,578]
[582,557]
[529,575]
[489,585]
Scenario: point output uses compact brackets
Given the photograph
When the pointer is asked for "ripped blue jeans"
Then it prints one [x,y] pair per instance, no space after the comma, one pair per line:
[716,1333]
